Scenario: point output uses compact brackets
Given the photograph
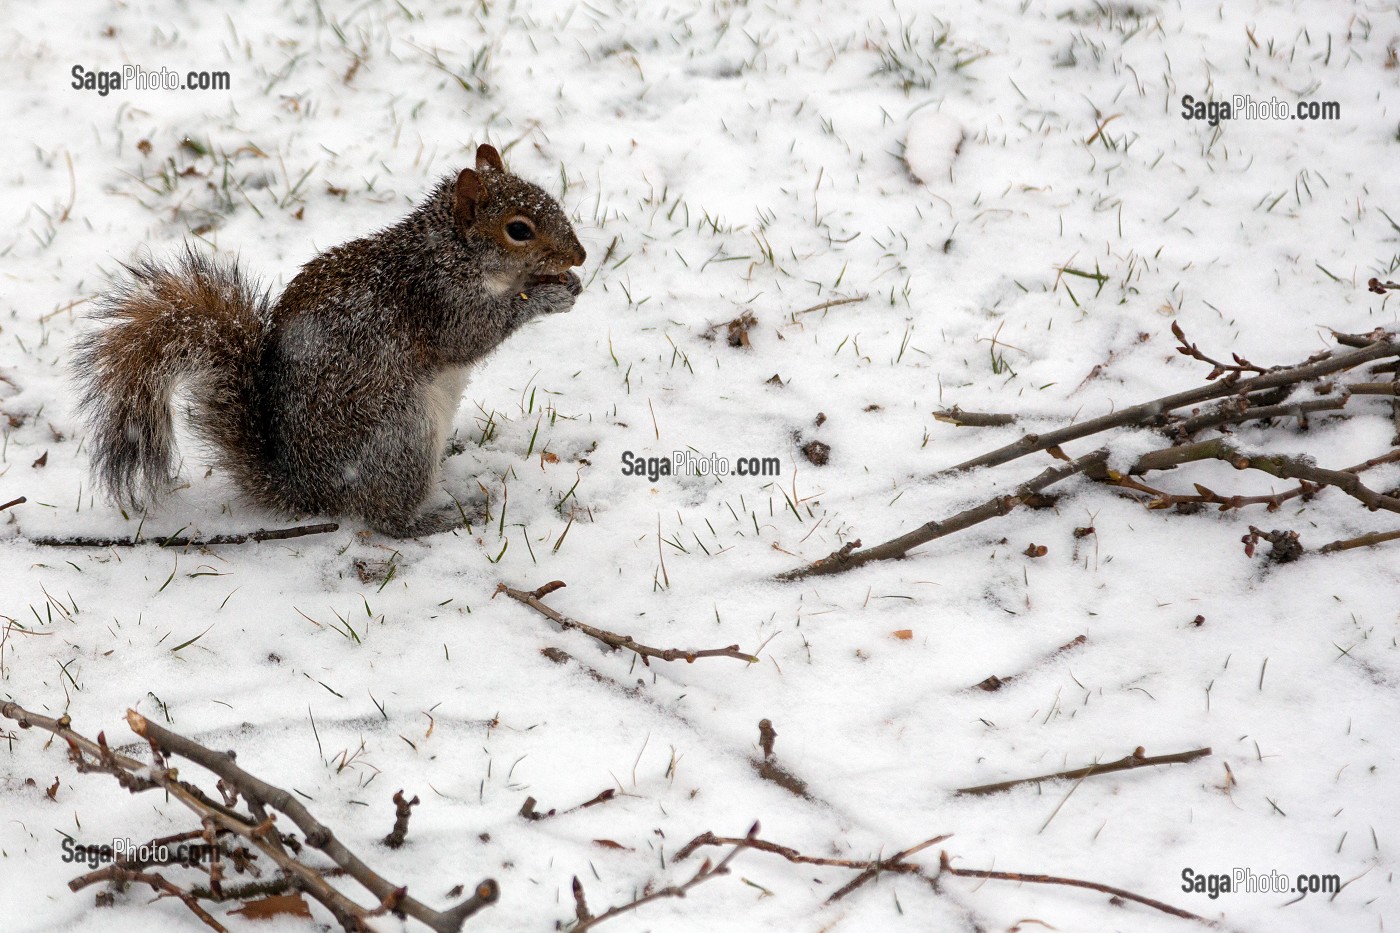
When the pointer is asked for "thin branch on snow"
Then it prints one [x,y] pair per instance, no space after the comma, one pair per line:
[974,419]
[175,540]
[897,864]
[1138,759]
[528,811]
[1366,540]
[945,866]
[848,557]
[533,599]
[868,868]
[1152,414]
[587,920]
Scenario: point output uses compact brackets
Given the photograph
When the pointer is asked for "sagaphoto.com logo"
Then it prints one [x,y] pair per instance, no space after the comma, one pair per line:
[1245,108]
[136,78]
[691,463]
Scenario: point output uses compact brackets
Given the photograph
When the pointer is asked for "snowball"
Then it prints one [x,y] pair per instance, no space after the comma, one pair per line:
[931,144]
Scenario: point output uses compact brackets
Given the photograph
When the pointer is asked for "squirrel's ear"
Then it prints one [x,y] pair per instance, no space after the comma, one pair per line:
[471,193]
[488,157]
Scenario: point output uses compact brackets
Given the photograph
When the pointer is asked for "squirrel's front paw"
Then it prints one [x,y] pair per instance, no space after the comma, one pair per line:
[553,294]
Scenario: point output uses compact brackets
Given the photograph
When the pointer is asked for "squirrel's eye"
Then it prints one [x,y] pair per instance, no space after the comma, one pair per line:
[520,231]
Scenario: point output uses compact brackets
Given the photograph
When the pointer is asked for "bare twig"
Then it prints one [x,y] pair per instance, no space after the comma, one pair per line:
[532,598]
[834,303]
[1093,465]
[973,419]
[946,866]
[138,776]
[897,864]
[1152,412]
[882,865]
[894,863]
[317,834]
[403,809]
[848,557]
[1372,388]
[587,921]
[1359,340]
[528,811]
[1160,499]
[121,875]
[262,534]
[1231,412]
[1230,371]
[1366,540]
[1138,759]
[13,502]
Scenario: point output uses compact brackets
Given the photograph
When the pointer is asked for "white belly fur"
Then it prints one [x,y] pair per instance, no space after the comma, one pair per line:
[443,396]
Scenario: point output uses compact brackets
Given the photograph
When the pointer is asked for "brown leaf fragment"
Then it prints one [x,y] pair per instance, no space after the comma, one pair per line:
[738,329]
[277,905]
[609,844]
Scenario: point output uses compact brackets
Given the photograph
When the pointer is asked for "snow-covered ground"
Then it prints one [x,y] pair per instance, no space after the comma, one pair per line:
[722,158]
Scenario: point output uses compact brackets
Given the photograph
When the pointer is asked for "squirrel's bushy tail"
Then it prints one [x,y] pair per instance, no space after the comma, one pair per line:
[195,321]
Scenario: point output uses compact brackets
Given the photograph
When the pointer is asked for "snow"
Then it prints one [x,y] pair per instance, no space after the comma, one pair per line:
[718,158]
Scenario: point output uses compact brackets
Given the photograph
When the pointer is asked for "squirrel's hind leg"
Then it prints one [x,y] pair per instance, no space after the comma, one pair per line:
[427,522]
[394,509]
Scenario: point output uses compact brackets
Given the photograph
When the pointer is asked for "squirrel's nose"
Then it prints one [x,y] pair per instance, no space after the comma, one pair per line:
[579,256]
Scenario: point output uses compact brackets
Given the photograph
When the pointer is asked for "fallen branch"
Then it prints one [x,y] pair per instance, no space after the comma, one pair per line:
[896,864]
[528,811]
[1232,412]
[13,502]
[532,598]
[1259,397]
[258,830]
[587,921]
[1161,499]
[945,865]
[869,868]
[973,419]
[262,534]
[1366,540]
[1373,388]
[848,557]
[1138,759]
[119,875]
[1148,413]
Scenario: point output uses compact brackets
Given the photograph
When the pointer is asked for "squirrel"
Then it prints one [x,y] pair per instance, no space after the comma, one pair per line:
[338,397]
